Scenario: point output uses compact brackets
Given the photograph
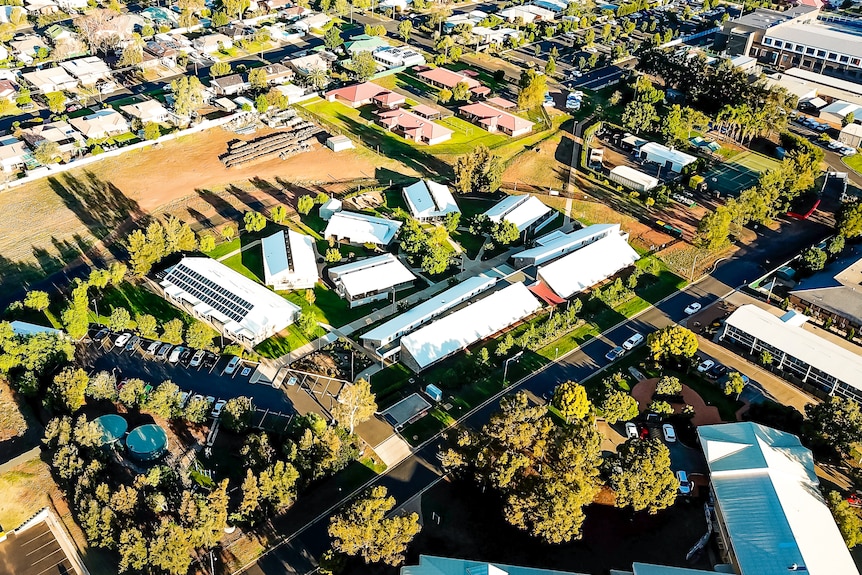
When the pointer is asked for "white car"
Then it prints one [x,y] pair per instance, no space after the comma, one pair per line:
[197,358]
[634,341]
[668,432]
[692,308]
[219,405]
[705,366]
[232,365]
[632,430]
[573,104]
[184,399]
[684,483]
[175,354]
[122,340]
[847,151]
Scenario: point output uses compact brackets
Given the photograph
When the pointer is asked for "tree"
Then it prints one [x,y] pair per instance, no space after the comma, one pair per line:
[570,399]
[848,119]
[132,392]
[250,503]
[714,229]
[533,86]
[119,319]
[235,8]
[356,403]
[206,243]
[639,116]
[734,384]
[47,152]
[850,220]
[103,385]
[835,424]
[672,341]
[170,548]
[37,300]
[307,322]
[257,79]
[133,52]
[317,77]
[228,232]
[188,95]
[147,326]
[68,389]
[332,255]
[200,335]
[364,66]
[668,385]
[505,232]
[163,400]
[363,529]
[444,95]
[461,92]
[662,408]
[813,259]
[172,331]
[405,28]
[641,476]
[835,247]
[134,555]
[304,204]
[619,406]
[261,103]
[196,409]
[278,214]
[152,131]
[220,69]
[550,66]
[237,412]
[56,101]
[254,221]
[277,484]
[451,221]
[332,38]
[849,523]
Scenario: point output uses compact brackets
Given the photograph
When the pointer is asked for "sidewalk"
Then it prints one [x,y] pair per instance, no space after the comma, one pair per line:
[239,251]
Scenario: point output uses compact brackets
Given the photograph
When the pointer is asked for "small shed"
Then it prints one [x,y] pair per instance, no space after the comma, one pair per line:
[851,135]
[339,143]
[433,392]
[332,206]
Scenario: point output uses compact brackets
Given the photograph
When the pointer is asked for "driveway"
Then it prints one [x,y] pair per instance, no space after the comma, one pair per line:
[205,381]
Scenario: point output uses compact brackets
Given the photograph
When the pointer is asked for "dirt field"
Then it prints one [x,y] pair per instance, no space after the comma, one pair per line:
[66,214]
[548,167]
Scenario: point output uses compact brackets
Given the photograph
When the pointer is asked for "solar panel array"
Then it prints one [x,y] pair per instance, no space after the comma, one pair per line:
[209,292]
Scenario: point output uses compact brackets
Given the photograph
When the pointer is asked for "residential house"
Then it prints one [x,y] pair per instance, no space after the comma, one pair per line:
[443,78]
[413,127]
[557,244]
[389,100]
[237,32]
[426,112]
[48,80]
[667,158]
[13,153]
[212,43]
[468,19]
[311,22]
[8,90]
[289,261]
[400,57]
[495,120]
[228,85]
[529,13]
[273,5]
[399,5]
[429,201]
[164,51]
[101,124]
[293,93]
[56,32]
[41,7]
[496,36]
[356,95]
[295,13]
[73,5]
[364,43]
[26,47]
[305,65]
[278,74]
[89,71]
[588,266]
[68,139]
[149,111]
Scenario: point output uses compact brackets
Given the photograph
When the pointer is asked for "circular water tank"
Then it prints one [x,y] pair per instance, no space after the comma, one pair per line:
[147,442]
[113,427]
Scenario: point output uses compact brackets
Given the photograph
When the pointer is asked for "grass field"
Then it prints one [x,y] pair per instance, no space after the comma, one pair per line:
[290,339]
[248,262]
[739,172]
[139,301]
[853,162]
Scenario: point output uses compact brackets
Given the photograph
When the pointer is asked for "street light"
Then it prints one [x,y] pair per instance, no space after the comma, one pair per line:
[96,305]
[515,357]
[691,275]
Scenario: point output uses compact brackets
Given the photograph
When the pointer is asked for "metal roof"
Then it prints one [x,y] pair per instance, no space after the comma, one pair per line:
[371,275]
[800,343]
[430,565]
[769,499]
[629,173]
[522,211]
[588,266]
[361,228]
[468,325]
[288,256]
[818,36]
[561,243]
[427,199]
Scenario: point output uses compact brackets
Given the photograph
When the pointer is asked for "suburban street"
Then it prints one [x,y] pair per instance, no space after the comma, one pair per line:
[304,529]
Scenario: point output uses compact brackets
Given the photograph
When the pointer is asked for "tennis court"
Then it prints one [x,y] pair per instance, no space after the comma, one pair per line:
[738,173]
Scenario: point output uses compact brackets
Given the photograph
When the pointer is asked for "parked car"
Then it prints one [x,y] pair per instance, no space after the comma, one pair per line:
[635,340]
[101,334]
[153,347]
[632,430]
[232,365]
[615,353]
[210,359]
[122,340]
[668,432]
[175,355]
[684,483]
[705,365]
[847,151]
[198,358]
[132,343]
[692,308]
[718,370]
[184,398]
[163,351]
[219,405]
[186,355]
[210,400]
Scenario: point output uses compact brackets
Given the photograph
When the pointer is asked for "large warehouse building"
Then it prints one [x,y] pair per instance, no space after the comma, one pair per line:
[772,518]
[241,309]
[588,266]
[456,331]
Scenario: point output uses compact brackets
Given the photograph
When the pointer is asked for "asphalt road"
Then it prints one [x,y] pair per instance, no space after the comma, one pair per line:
[422,469]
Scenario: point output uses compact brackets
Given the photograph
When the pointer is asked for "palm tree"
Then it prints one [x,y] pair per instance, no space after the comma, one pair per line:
[318,78]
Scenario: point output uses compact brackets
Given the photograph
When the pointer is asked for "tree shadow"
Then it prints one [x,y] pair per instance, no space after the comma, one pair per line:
[246,198]
[222,207]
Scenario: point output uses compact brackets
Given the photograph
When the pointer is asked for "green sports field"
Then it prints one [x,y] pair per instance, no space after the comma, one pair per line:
[739,173]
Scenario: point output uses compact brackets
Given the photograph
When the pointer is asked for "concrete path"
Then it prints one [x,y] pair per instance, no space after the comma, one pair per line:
[23,458]
[239,251]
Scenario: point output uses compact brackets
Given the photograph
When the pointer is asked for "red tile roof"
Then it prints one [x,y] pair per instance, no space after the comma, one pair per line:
[357,92]
[412,124]
[448,78]
[490,116]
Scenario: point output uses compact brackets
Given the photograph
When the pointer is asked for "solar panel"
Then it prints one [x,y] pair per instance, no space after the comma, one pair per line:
[210,293]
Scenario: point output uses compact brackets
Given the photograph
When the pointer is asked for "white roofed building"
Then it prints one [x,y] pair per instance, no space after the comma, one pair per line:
[771,515]
[557,243]
[632,178]
[380,338]
[527,212]
[240,308]
[798,353]
[429,200]
[289,261]
[458,330]
[370,279]
[588,266]
[25,329]
[665,157]
[357,228]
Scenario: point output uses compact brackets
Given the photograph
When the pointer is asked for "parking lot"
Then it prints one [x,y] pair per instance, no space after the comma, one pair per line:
[210,378]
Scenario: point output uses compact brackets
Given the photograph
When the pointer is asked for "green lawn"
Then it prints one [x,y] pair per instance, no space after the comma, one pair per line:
[139,301]
[248,262]
[853,162]
[386,383]
[328,306]
[471,243]
[224,248]
[279,345]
